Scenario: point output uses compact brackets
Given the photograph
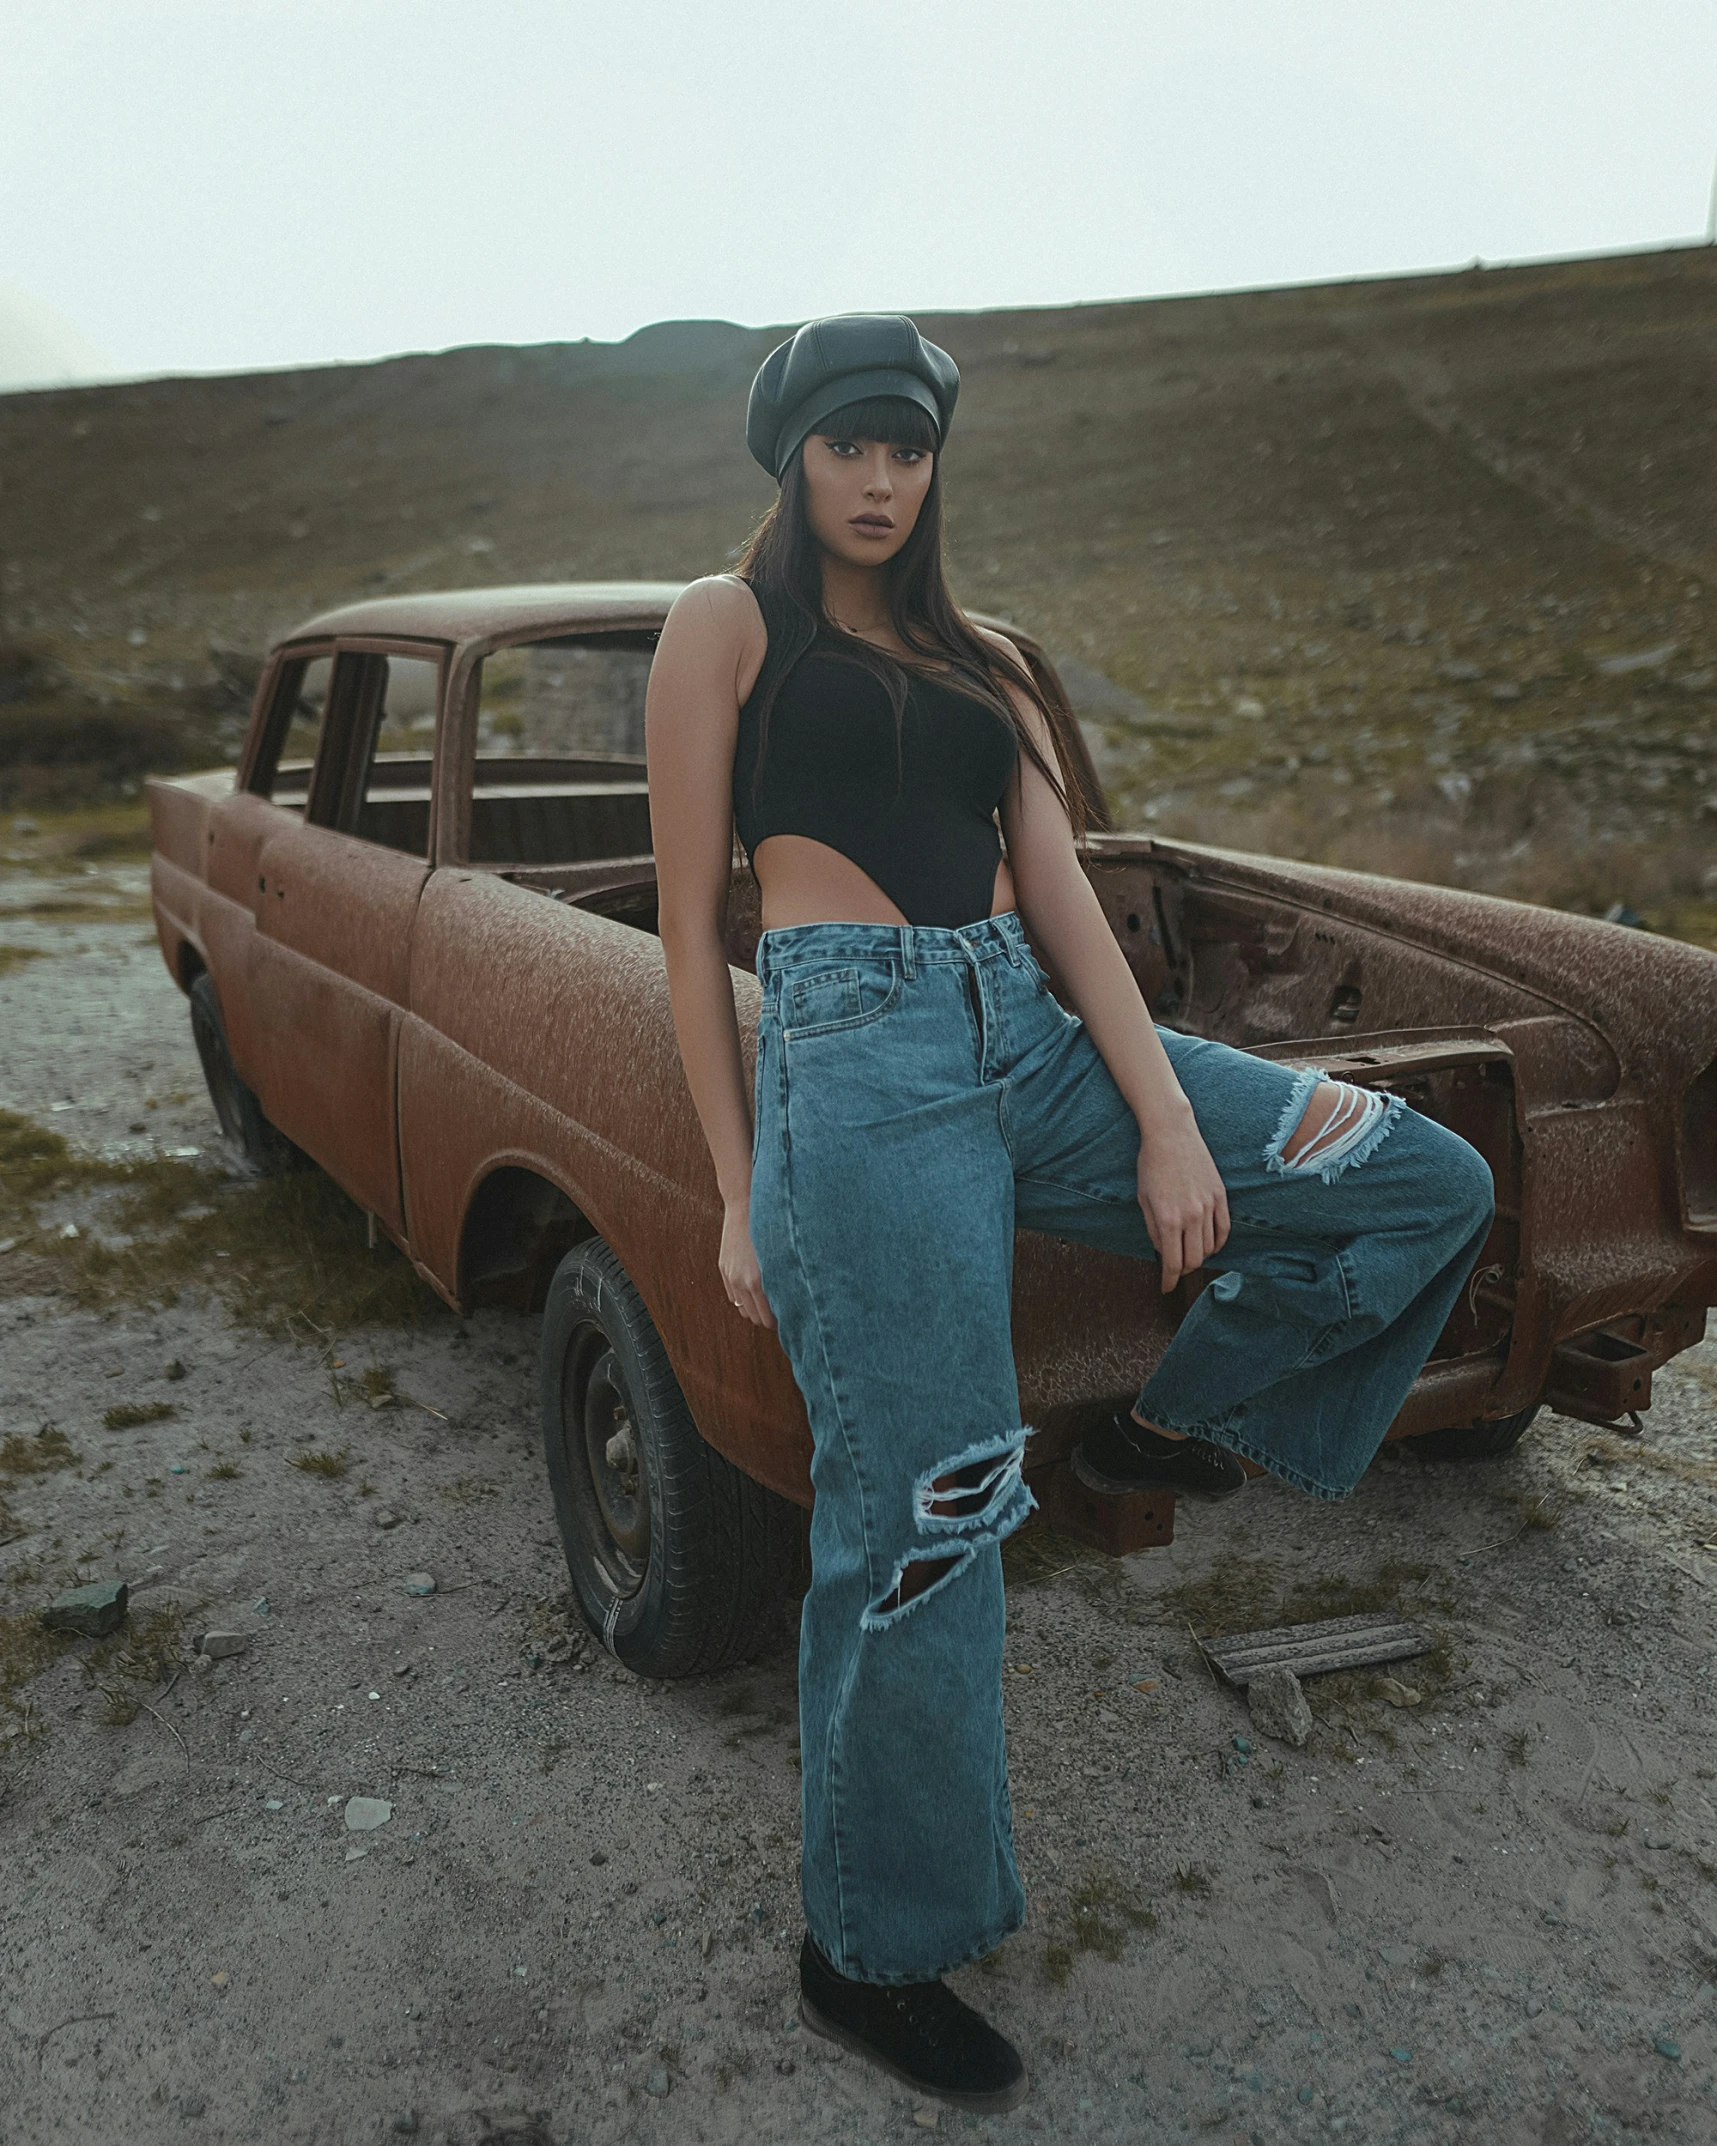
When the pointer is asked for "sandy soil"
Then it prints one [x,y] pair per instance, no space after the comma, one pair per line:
[1487,1917]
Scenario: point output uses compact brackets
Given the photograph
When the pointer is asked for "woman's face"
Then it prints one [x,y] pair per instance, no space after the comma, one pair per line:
[863,497]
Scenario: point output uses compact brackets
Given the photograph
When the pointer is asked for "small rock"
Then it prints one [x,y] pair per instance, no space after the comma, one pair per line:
[406,2122]
[221,1646]
[657,2083]
[89,1611]
[1645,659]
[354,1855]
[220,1980]
[187,2105]
[274,1804]
[402,1669]
[383,1518]
[786,2067]
[1667,2046]
[1278,1706]
[365,1813]
[420,1583]
[1398,1694]
[925,2117]
[1243,1744]
[1397,1955]
[598,1857]
[70,1230]
[262,1606]
[1534,2005]
[178,1468]
[1402,2056]
[1656,1839]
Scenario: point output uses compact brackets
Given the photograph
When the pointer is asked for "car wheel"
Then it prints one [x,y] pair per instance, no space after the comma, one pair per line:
[680,1563]
[1477,1441]
[262,1145]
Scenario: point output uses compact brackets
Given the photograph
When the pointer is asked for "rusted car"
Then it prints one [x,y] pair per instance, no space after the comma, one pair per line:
[416,928]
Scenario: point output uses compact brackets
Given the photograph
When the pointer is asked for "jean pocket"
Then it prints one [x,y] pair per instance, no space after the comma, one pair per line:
[830,1000]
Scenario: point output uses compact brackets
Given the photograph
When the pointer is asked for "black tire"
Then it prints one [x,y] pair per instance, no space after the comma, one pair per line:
[1477,1441]
[263,1146]
[679,1562]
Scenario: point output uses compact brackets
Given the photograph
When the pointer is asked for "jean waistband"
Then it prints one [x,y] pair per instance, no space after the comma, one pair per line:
[912,945]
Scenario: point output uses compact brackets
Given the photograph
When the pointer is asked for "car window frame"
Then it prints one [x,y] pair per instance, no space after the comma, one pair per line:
[456,762]
[347,745]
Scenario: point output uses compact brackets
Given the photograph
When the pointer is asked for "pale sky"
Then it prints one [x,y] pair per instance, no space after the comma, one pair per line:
[199,185]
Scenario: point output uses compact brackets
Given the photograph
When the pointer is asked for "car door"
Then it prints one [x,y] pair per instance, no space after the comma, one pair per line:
[336,896]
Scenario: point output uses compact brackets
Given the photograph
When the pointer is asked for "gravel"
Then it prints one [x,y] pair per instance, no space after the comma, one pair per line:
[1435,1923]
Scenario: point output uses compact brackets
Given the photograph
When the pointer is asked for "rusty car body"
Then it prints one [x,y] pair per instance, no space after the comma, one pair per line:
[417,926]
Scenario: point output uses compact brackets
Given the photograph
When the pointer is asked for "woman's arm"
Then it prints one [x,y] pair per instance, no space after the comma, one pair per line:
[1180,1190]
[711,647]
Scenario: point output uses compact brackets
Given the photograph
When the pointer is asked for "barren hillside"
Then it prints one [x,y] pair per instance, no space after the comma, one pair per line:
[1415,573]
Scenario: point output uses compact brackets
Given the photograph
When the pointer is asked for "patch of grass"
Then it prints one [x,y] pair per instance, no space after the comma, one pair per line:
[224,1471]
[1518,1747]
[26,1649]
[1245,1594]
[1104,1910]
[145,1651]
[317,1462]
[14,957]
[279,1251]
[97,834]
[1057,1965]
[127,1415]
[1035,1553]
[467,1489]
[41,1454]
[1193,1878]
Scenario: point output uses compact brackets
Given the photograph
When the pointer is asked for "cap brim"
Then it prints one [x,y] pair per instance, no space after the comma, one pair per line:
[837,393]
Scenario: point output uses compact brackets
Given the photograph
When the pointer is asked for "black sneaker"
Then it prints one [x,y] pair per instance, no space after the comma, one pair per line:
[1119,1455]
[919,2031]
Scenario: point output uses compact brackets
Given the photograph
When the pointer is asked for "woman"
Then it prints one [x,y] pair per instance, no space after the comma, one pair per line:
[919,1092]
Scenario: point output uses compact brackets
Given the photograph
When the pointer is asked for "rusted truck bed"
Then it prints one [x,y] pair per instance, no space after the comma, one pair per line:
[424,955]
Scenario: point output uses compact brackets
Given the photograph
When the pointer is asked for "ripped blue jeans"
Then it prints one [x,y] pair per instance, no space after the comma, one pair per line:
[920,1093]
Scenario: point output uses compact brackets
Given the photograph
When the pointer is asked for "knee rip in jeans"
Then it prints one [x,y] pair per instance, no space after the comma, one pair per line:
[958,1507]
[1327,1126]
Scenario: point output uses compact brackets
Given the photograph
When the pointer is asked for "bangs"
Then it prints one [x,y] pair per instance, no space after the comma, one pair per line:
[889,418]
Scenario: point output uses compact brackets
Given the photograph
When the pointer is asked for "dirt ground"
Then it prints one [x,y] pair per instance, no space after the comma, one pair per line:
[1487,1917]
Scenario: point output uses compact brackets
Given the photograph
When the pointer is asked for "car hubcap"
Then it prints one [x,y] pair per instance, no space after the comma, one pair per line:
[600,1409]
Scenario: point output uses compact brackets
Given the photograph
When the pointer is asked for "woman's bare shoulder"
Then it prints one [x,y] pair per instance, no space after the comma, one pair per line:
[717,608]
[1008,650]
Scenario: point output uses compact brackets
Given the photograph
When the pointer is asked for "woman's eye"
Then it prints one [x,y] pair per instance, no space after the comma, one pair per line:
[910,455]
[843,447]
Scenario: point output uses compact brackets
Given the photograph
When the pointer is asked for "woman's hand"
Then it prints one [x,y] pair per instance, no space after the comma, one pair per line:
[1183,1197]
[741,1276]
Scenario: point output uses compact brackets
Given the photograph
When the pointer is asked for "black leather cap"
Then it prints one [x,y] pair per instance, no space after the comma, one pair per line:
[847,358]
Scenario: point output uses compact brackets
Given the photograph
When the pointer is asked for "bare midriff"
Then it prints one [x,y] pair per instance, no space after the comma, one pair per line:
[804,881]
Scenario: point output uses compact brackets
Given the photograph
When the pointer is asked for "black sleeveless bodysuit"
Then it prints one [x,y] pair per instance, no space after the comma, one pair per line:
[914,810]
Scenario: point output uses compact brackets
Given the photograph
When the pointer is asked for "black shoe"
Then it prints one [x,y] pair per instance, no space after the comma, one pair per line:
[1119,1455]
[919,2031]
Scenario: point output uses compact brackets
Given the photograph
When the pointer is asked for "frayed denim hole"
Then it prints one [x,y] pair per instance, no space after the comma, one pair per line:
[891,1608]
[984,1485]
[970,1489]
[1360,1119]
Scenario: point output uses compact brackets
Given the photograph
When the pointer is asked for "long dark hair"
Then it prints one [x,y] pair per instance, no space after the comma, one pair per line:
[783,566]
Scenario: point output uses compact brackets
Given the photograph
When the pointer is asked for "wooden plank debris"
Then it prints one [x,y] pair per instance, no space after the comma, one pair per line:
[1311,1650]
